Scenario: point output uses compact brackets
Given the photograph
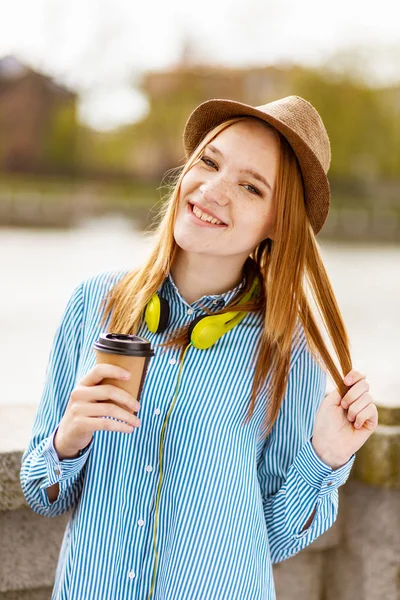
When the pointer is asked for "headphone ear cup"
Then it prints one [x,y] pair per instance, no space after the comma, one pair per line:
[157,314]
[193,325]
[164,315]
[206,330]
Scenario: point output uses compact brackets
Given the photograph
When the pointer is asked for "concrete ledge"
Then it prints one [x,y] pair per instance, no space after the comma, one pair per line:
[389,415]
[39,594]
[378,461]
[302,574]
[11,496]
[366,565]
[15,431]
[30,545]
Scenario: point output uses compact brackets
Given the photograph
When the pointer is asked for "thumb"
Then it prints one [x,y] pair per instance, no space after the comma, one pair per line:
[333,398]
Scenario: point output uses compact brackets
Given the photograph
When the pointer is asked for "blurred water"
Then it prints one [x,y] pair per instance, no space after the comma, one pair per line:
[39,269]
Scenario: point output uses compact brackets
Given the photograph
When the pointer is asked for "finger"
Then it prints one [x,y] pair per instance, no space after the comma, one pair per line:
[103,370]
[368,418]
[356,390]
[106,424]
[107,409]
[102,393]
[353,376]
[359,405]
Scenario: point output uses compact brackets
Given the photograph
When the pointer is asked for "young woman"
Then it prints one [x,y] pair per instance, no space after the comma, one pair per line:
[236,459]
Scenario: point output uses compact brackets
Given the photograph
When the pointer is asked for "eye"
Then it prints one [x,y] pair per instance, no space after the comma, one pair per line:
[207,161]
[212,164]
[253,189]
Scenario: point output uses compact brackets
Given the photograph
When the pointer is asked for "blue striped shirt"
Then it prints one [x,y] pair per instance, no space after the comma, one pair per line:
[231,503]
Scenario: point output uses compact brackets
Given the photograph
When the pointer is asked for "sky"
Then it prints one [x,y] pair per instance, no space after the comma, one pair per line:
[100,48]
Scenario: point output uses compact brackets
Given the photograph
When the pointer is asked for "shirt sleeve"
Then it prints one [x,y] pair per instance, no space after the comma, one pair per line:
[294,480]
[41,467]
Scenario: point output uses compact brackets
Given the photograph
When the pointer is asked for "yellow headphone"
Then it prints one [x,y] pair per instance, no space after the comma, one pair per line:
[204,331]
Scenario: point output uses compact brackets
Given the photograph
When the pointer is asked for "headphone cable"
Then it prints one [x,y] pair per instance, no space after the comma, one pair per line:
[161,474]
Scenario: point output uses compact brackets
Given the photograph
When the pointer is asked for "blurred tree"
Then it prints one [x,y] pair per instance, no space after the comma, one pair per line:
[60,144]
[363,125]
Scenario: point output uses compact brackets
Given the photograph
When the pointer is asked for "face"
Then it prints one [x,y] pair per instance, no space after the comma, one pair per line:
[234,181]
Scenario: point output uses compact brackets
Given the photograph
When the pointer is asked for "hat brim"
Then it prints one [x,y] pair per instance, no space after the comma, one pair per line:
[211,113]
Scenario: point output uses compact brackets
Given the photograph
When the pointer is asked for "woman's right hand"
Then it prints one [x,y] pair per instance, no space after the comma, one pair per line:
[90,401]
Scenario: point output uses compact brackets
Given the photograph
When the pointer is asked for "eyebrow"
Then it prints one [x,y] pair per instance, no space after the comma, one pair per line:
[248,171]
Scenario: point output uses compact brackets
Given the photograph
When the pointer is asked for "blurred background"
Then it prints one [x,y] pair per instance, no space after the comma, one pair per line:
[93,100]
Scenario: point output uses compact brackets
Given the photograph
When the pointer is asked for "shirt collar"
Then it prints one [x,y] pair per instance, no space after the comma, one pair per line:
[208,300]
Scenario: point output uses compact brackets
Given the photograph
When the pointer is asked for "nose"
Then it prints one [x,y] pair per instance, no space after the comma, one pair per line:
[216,190]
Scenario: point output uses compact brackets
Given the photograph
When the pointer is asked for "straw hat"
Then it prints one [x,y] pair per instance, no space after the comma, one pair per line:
[298,121]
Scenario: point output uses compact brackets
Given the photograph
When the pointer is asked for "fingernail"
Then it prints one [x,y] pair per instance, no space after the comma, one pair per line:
[126,375]
[357,425]
[344,404]
[347,380]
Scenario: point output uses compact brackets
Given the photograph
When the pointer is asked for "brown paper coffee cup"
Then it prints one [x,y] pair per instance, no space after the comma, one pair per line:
[130,352]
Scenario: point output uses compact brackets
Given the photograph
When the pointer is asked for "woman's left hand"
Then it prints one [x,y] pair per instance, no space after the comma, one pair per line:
[343,425]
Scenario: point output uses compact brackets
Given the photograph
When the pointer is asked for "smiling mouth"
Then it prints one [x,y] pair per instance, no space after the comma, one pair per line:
[193,206]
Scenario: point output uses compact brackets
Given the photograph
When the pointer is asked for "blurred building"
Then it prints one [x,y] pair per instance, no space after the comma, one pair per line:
[38,126]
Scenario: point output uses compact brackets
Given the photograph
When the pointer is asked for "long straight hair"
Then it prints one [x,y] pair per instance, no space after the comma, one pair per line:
[289,268]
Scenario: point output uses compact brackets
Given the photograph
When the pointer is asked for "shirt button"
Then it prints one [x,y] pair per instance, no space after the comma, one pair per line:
[140,522]
[149,468]
[157,411]
[131,574]
[190,311]
[215,301]
[172,361]
[57,471]
[329,483]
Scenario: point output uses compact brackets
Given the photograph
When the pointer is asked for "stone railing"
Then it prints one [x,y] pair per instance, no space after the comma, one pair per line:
[357,559]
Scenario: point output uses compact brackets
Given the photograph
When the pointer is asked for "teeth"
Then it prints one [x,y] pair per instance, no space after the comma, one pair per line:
[205,217]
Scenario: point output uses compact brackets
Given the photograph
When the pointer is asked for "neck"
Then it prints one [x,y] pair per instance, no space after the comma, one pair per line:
[197,275]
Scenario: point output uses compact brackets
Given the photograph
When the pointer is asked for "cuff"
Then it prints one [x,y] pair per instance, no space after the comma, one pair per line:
[58,470]
[318,474]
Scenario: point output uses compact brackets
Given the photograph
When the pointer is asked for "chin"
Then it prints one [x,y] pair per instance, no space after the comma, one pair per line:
[187,245]
[184,239]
